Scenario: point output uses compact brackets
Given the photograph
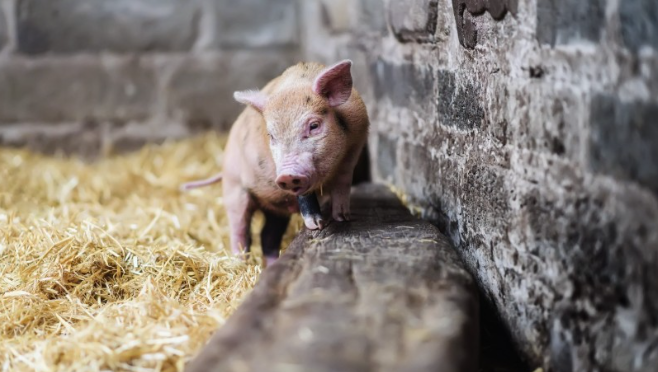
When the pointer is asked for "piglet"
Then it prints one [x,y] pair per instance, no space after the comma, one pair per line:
[298,140]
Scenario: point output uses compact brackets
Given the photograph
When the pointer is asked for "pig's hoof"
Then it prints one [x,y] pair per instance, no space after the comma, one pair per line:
[342,217]
[314,222]
[239,254]
[269,260]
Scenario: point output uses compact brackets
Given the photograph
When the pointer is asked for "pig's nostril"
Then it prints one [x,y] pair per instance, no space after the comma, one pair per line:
[282,185]
[296,181]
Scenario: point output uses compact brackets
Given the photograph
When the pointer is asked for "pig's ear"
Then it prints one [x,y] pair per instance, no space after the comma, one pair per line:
[253,98]
[335,83]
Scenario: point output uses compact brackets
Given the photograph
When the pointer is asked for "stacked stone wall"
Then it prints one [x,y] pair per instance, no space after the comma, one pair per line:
[528,131]
[95,76]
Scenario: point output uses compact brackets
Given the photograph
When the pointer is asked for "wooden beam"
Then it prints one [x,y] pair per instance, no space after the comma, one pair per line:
[384,292]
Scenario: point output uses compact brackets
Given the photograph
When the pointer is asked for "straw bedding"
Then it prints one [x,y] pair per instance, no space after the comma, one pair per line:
[107,266]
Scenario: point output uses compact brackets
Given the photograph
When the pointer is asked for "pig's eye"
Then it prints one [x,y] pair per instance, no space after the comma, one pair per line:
[271,137]
[314,126]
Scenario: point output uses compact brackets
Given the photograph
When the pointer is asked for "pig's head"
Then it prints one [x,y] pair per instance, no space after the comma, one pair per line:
[306,133]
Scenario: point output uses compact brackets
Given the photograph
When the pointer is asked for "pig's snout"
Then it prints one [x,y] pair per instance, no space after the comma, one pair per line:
[295,173]
[293,182]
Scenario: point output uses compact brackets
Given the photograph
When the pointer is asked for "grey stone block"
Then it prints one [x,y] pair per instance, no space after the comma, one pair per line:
[639,23]
[85,140]
[3,29]
[74,89]
[134,136]
[373,16]
[624,140]
[416,167]
[89,140]
[387,157]
[565,21]
[256,23]
[486,195]
[546,119]
[200,92]
[459,107]
[77,26]
[336,15]
[413,20]
[406,85]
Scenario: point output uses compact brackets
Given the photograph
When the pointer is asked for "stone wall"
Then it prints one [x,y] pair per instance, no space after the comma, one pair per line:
[527,131]
[92,76]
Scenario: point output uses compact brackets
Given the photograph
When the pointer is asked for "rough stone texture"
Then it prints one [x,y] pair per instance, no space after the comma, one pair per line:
[412,83]
[79,89]
[566,21]
[200,91]
[75,26]
[256,23]
[385,292]
[413,20]
[530,140]
[465,11]
[373,16]
[639,23]
[458,107]
[624,140]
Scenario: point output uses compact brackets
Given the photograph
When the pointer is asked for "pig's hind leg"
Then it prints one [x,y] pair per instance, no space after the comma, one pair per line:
[272,234]
[240,208]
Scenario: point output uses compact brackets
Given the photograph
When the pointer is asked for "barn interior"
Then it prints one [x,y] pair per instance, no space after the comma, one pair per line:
[506,202]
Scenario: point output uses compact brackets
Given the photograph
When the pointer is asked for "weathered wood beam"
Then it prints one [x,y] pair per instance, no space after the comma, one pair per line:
[385,292]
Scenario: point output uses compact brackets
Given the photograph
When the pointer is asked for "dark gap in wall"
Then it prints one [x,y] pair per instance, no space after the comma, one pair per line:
[362,169]
[497,351]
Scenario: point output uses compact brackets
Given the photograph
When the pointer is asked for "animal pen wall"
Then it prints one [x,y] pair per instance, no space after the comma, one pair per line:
[95,75]
[527,131]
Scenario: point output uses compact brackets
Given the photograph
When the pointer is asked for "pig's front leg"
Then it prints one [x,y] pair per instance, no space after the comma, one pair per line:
[340,197]
[310,211]
[239,210]
[342,185]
